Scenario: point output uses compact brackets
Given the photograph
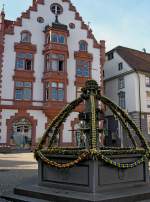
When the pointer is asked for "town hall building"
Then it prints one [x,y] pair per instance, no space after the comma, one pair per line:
[46,56]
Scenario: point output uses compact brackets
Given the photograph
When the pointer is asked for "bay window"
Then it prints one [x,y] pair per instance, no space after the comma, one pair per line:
[55,91]
[47,91]
[55,62]
[57,38]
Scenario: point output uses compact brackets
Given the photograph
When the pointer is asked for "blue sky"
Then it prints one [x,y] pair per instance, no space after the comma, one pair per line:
[119,22]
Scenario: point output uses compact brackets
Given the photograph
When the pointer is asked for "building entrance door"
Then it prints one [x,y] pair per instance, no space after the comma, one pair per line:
[22,134]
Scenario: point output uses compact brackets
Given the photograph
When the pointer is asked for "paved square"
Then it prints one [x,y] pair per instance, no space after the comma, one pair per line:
[16,169]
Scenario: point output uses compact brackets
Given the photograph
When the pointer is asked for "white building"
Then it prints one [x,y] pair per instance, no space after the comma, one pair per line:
[46,56]
[127,83]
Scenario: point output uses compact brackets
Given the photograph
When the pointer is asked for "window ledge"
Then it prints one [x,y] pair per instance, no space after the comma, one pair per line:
[23,46]
[23,102]
[24,75]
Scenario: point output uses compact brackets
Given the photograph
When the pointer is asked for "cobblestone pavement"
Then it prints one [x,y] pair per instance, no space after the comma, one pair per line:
[16,169]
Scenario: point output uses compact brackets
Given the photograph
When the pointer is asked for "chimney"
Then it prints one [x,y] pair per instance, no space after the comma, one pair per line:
[2,18]
[144,50]
[33,2]
[102,52]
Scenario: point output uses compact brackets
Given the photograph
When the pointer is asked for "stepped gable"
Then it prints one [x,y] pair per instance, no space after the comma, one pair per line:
[10,24]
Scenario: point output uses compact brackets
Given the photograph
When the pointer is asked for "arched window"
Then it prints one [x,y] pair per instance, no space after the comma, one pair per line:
[83,46]
[26,37]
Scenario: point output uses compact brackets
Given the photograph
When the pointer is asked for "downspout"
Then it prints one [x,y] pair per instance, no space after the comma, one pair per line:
[102,62]
[140,106]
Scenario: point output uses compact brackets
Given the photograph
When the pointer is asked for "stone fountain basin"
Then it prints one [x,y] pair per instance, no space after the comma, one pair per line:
[93,176]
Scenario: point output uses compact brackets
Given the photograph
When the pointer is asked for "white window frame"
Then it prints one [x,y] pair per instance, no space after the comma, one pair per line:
[147,81]
[121,83]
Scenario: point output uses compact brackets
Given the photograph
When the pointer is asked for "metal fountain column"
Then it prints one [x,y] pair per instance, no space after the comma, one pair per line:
[91,91]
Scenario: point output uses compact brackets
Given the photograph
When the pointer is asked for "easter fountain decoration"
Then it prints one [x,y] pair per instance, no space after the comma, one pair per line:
[91,171]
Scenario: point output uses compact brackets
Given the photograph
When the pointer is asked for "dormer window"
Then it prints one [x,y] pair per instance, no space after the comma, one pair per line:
[26,37]
[83,46]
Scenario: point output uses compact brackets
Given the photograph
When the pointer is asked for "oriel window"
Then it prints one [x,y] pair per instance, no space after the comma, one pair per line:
[55,62]
[57,38]
[57,92]
[47,91]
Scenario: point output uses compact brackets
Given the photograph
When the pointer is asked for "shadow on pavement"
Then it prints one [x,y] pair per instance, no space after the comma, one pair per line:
[12,178]
[11,163]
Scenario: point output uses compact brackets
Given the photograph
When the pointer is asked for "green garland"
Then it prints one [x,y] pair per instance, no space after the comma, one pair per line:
[84,155]
[101,153]
[50,163]
[94,132]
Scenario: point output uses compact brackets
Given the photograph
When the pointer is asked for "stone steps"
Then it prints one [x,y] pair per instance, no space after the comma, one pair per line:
[21,198]
[35,193]
[44,194]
